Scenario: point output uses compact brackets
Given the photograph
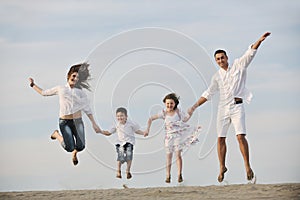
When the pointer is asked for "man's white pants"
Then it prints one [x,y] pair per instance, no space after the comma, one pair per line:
[231,113]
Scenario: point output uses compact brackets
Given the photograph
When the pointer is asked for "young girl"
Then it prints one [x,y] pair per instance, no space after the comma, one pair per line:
[125,140]
[72,101]
[178,134]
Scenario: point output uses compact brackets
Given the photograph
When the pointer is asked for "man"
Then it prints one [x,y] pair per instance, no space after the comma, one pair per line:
[230,82]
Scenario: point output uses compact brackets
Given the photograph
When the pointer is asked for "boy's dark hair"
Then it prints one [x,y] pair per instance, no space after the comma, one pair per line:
[220,51]
[174,97]
[122,110]
[84,75]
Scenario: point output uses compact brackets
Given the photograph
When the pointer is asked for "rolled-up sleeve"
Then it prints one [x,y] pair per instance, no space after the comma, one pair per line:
[87,110]
[246,59]
[212,89]
[183,114]
[50,92]
[135,126]
[113,129]
[86,104]
[161,114]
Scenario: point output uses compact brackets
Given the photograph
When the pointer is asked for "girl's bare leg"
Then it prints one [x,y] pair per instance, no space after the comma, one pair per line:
[179,165]
[168,167]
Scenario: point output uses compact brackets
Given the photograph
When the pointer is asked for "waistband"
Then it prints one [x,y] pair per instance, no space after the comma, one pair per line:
[76,119]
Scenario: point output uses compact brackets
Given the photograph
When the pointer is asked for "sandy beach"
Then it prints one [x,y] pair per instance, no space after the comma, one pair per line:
[246,191]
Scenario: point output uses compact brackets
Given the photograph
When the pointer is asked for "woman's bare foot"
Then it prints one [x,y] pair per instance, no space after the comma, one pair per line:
[54,135]
[74,157]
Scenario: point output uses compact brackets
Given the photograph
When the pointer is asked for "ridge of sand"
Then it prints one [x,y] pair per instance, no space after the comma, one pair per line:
[245,191]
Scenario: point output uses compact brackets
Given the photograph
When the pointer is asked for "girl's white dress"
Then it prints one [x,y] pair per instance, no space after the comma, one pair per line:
[179,135]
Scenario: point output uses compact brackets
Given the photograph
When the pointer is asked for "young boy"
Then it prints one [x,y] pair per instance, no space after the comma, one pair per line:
[125,140]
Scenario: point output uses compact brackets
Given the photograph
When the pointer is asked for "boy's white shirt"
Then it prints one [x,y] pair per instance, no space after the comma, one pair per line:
[125,132]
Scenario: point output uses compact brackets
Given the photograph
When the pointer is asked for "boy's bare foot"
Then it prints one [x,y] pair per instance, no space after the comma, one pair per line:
[119,174]
[129,175]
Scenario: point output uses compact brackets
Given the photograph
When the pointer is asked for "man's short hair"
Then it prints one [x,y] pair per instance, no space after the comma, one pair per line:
[220,51]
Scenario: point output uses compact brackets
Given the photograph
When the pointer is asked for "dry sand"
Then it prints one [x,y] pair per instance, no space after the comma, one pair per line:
[248,191]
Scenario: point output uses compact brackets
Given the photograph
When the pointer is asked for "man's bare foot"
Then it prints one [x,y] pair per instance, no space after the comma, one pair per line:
[221,175]
[54,135]
[250,175]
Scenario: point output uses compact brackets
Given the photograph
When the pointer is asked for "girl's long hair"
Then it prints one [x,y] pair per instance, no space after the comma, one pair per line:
[84,75]
[174,97]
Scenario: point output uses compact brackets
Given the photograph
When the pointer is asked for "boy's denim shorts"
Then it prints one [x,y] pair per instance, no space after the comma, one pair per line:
[125,152]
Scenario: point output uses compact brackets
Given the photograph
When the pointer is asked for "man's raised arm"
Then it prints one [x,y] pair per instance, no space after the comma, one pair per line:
[260,40]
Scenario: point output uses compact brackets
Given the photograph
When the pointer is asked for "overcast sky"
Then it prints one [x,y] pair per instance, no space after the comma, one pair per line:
[139,51]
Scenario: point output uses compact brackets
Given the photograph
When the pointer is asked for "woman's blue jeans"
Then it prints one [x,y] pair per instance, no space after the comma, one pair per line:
[72,131]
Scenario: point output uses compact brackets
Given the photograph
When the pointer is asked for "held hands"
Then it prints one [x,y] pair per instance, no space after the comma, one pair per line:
[190,111]
[146,133]
[96,128]
[106,133]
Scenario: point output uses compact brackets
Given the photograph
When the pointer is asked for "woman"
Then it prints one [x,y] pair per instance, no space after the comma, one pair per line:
[72,101]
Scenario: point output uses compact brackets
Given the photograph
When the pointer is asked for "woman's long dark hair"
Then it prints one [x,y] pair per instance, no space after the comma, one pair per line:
[84,75]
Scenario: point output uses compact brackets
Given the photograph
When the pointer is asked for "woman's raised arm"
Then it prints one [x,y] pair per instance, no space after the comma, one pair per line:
[35,87]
